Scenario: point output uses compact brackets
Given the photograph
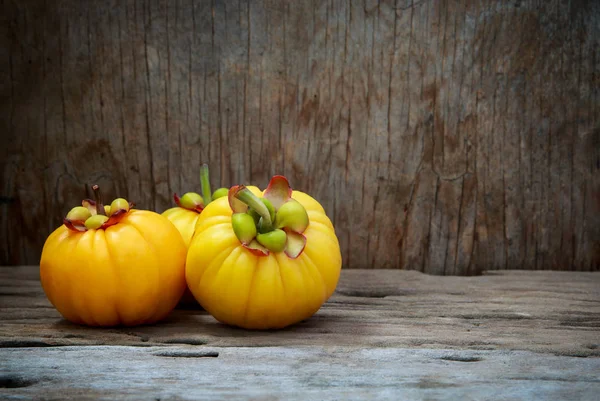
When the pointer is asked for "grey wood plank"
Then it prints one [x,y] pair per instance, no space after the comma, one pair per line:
[293,373]
[547,312]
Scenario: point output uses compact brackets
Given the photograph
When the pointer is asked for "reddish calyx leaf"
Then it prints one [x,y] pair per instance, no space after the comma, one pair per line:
[236,205]
[278,191]
[256,248]
[117,216]
[90,205]
[295,244]
[75,225]
[177,199]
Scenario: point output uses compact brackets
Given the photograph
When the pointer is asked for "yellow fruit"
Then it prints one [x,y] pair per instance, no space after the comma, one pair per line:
[127,274]
[184,220]
[242,288]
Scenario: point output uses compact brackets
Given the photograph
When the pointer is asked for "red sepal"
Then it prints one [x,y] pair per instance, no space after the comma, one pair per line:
[278,191]
[237,206]
[256,248]
[177,200]
[295,244]
[77,225]
[90,205]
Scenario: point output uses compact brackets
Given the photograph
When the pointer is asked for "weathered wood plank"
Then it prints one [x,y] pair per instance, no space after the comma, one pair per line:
[449,137]
[292,373]
[550,312]
[385,334]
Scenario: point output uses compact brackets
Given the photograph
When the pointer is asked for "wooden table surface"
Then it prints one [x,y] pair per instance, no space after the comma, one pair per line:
[385,334]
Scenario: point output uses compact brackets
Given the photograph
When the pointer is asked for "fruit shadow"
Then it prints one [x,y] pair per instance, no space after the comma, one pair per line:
[197,327]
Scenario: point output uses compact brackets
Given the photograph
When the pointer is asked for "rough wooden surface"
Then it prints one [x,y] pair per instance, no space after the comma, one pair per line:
[385,334]
[449,137]
[550,312]
[299,373]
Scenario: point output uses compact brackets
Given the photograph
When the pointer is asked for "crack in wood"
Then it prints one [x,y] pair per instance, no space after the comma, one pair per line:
[186,354]
[188,341]
[10,381]
[461,358]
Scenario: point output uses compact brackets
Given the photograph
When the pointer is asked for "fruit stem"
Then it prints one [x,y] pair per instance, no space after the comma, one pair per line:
[205,184]
[98,199]
[253,201]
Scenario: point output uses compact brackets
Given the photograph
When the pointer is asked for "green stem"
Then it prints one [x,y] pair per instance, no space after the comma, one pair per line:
[98,198]
[205,184]
[253,201]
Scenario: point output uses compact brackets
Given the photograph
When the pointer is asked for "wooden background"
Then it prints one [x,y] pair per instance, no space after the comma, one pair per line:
[443,136]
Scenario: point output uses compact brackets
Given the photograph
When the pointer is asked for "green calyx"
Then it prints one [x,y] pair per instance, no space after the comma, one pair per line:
[205,184]
[118,204]
[271,228]
[219,193]
[255,216]
[95,222]
[266,225]
[191,200]
[273,240]
[270,208]
[292,215]
[243,227]
[79,213]
[256,203]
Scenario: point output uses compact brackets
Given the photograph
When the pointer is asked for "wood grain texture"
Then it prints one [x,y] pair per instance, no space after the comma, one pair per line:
[449,137]
[292,373]
[547,312]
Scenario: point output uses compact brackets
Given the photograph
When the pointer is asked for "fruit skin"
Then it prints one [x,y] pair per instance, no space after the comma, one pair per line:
[261,292]
[128,274]
[184,220]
